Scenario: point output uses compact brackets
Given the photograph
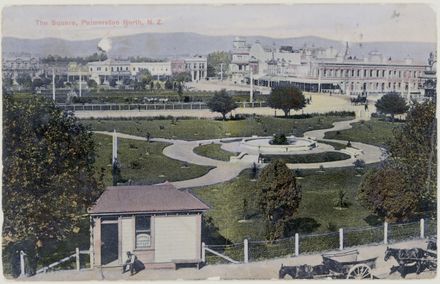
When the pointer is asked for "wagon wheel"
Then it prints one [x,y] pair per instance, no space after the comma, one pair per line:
[360,271]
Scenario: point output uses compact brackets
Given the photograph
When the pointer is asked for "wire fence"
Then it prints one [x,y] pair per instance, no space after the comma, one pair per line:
[313,243]
[405,231]
[360,236]
[260,250]
[430,228]
[318,242]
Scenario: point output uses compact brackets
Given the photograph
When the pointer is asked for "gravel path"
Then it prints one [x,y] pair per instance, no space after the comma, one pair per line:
[223,171]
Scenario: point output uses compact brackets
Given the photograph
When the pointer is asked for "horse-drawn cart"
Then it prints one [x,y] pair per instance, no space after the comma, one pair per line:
[334,265]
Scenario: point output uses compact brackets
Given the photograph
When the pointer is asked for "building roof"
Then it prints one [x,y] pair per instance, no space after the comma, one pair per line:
[146,199]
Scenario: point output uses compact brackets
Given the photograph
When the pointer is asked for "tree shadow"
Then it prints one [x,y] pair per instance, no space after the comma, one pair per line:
[373,220]
[303,225]
[211,234]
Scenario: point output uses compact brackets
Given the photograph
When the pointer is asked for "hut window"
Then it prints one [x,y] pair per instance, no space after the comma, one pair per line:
[143,232]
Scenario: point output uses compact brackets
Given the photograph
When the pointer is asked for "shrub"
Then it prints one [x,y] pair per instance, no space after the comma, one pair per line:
[135,165]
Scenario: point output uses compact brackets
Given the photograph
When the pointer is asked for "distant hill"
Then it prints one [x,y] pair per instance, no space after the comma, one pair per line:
[162,45]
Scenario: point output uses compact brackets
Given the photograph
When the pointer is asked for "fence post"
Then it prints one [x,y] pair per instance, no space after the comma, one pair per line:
[203,253]
[296,244]
[385,232]
[22,265]
[341,239]
[246,251]
[422,228]
[77,259]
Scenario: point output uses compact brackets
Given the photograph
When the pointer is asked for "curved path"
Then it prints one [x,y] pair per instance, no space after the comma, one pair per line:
[223,171]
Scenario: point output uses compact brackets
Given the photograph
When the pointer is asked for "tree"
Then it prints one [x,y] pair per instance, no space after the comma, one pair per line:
[182,77]
[92,83]
[24,80]
[279,197]
[112,81]
[179,90]
[406,186]
[158,85]
[222,102]
[49,179]
[384,193]
[144,77]
[391,103]
[286,98]
[414,150]
[214,61]
[210,70]
[37,83]
[168,85]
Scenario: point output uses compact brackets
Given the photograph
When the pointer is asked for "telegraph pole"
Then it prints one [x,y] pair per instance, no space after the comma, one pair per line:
[79,73]
[221,71]
[53,84]
[251,98]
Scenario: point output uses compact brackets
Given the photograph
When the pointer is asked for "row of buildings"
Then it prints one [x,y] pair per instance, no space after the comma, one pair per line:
[103,71]
[327,70]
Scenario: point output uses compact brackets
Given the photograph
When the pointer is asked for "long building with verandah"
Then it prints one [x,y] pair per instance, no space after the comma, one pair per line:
[160,224]
[325,70]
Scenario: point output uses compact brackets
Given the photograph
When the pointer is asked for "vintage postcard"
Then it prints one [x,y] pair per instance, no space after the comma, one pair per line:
[194,141]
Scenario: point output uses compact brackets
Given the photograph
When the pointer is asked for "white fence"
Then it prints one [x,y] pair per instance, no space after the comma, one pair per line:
[250,250]
[152,106]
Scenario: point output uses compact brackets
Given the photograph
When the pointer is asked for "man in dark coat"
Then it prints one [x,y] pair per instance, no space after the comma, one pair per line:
[132,264]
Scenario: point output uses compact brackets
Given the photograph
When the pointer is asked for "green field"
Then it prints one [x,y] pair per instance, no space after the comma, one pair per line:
[308,158]
[142,162]
[214,151]
[374,132]
[317,212]
[199,129]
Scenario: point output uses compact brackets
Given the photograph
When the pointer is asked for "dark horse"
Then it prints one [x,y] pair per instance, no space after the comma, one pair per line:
[405,257]
[302,271]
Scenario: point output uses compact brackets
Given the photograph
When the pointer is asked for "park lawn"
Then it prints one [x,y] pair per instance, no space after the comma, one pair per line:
[374,132]
[317,212]
[199,129]
[142,162]
[336,145]
[214,151]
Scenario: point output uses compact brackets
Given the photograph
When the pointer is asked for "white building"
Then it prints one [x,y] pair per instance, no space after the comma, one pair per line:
[197,67]
[155,68]
[160,224]
[102,71]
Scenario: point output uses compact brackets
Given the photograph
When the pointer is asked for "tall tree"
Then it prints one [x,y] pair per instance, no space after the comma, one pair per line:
[49,179]
[414,149]
[279,198]
[406,186]
[222,102]
[286,98]
[392,103]
[215,60]
[24,80]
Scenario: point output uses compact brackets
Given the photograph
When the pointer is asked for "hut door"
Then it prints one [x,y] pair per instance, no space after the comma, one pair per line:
[109,243]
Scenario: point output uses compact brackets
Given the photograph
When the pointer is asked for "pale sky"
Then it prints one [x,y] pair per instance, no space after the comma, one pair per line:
[344,22]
